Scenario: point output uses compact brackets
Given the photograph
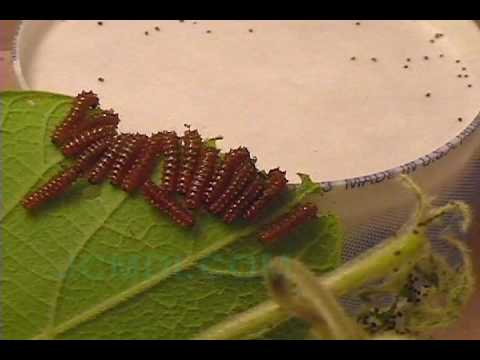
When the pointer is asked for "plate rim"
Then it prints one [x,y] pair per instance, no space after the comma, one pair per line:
[351,183]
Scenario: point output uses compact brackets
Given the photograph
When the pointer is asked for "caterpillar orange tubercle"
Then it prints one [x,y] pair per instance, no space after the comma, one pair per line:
[103,118]
[276,184]
[171,165]
[239,180]
[233,160]
[89,156]
[56,186]
[143,166]
[103,166]
[82,103]
[81,141]
[126,157]
[201,177]
[163,201]
[192,146]
[286,223]
[252,192]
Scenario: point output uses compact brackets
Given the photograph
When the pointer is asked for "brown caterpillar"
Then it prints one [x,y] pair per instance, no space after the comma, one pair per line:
[276,184]
[252,192]
[285,224]
[105,117]
[127,155]
[239,180]
[143,166]
[233,160]
[56,186]
[82,103]
[192,146]
[81,141]
[171,153]
[102,167]
[92,153]
[161,200]
[201,177]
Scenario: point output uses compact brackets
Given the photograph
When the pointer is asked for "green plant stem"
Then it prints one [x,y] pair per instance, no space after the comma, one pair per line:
[373,265]
[311,301]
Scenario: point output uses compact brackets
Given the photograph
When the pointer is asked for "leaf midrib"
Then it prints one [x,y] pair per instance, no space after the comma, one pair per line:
[135,290]
[51,331]
[61,284]
[139,288]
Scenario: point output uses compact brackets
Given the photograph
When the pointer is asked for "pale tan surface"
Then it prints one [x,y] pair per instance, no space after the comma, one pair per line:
[467,328]
[280,87]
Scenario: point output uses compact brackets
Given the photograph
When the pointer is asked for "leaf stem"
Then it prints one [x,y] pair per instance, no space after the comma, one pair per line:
[296,290]
[372,265]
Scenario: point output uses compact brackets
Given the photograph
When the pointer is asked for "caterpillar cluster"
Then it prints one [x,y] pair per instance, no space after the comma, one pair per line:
[228,186]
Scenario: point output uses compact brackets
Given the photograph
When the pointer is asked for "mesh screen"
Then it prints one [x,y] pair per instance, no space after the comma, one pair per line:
[465,187]
[360,237]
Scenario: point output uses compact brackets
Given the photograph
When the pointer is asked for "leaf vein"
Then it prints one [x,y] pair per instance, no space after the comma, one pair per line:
[139,288]
[74,258]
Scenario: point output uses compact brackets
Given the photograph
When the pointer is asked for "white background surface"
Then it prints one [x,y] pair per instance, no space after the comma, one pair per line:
[288,88]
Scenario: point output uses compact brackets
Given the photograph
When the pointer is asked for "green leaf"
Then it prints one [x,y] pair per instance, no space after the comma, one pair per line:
[100,264]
